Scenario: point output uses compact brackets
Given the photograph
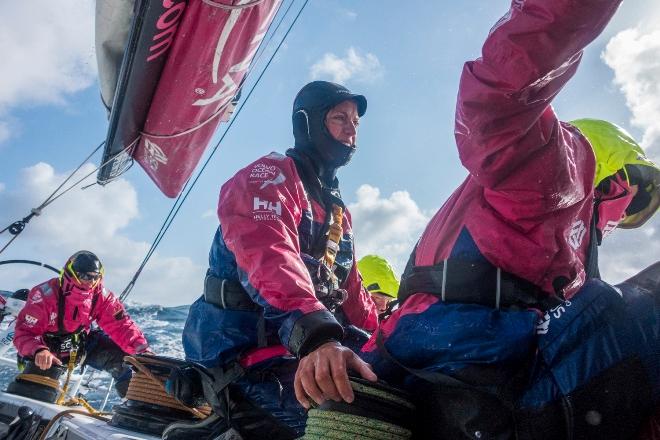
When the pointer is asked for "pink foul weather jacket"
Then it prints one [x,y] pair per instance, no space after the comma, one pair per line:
[40,316]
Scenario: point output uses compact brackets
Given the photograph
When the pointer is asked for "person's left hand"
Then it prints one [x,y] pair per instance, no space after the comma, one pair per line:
[323,374]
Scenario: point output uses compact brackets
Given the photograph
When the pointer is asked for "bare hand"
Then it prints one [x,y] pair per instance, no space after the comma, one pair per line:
[45,359]
[323,374]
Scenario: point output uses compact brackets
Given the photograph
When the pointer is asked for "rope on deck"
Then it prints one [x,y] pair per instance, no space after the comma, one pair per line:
[147,387]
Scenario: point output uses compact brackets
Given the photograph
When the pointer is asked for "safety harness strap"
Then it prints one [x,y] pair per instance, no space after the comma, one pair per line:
[61,302]
[227,294]
[591,262]
[215,383]
[458,281]
[323,195]
[231,295]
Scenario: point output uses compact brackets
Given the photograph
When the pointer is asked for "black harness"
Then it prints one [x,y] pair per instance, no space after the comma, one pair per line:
[452,406]
[63,342]
[230,294]
[457,280]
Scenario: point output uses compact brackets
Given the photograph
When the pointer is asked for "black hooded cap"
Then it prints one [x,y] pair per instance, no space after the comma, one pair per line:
[310,108]
[85,261]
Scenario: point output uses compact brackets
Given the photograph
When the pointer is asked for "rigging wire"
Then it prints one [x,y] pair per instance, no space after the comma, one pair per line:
[17,227]
[34,263]
[165,224]
[263,47]
[190,184]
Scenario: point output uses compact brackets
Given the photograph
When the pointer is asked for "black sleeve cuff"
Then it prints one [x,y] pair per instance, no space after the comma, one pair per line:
[313,330]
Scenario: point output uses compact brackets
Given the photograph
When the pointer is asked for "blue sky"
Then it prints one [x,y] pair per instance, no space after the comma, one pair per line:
[406,60]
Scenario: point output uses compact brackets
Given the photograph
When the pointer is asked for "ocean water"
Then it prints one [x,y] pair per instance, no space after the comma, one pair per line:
[162,327]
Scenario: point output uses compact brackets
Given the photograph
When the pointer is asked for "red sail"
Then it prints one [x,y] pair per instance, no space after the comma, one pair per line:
[208,46]
[207,63]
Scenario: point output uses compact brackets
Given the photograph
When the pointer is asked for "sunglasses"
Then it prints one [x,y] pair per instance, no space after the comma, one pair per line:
[89,276]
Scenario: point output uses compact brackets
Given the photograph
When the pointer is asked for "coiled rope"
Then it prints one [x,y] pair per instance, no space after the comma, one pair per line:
[373,402]
[41,380]
[336,425]
[55,384]
[147,387]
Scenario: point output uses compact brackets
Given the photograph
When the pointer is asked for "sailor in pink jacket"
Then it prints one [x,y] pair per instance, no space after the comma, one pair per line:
[269,292]
[59,313]
[517,241]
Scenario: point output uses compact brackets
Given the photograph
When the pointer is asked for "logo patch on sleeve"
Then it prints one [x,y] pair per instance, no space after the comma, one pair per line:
[576,234]
[264,175]
[266,210]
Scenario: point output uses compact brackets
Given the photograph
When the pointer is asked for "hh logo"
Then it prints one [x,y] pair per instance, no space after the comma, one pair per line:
[30,320]
[576,234]
[266,206]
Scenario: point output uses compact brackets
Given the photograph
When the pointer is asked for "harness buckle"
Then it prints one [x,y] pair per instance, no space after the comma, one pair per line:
[222,293]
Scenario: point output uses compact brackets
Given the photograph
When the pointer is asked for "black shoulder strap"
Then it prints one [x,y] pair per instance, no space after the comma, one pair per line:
[404,292]
[591,262]
[95,299]
[307,175]
[325,196]
[61,302]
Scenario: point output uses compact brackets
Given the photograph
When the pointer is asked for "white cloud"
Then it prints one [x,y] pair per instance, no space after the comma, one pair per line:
[349,14]
[92,219]
[634,55]
[5,133]
[388,227]
[210,213]
[626,252]
[47,52]
[355,66]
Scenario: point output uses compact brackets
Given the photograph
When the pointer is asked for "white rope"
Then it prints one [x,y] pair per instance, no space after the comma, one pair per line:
[215,4]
